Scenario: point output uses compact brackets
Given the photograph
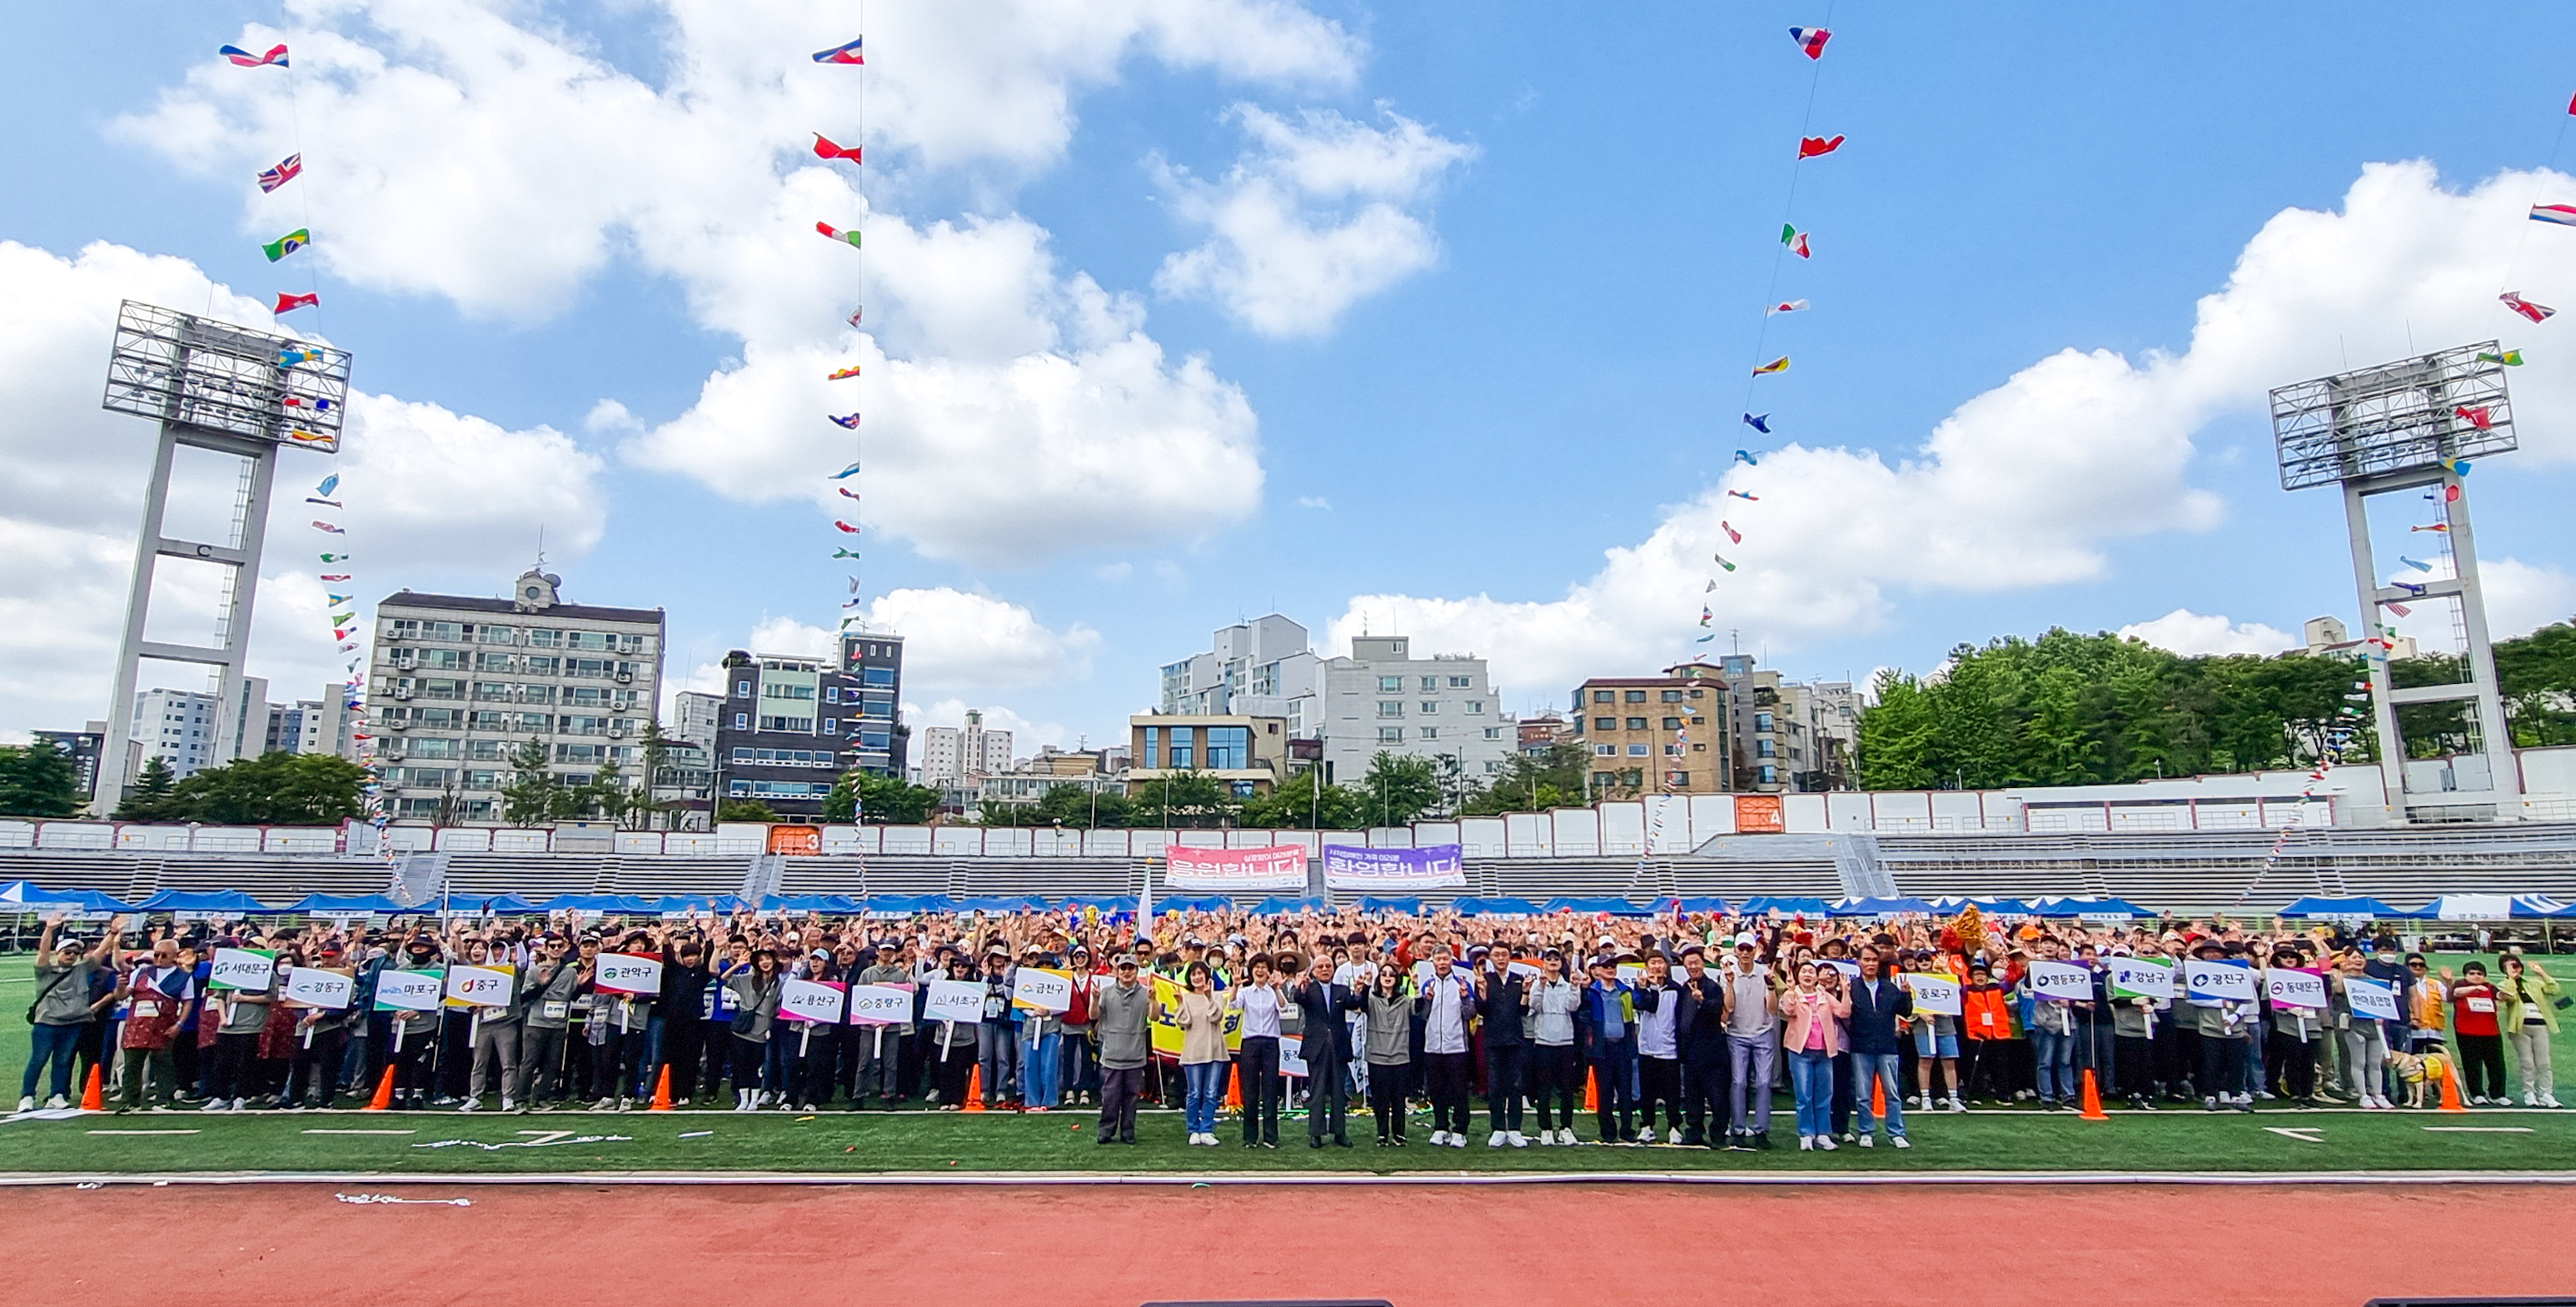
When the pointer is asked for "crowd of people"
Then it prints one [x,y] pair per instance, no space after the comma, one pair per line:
[1678,1030]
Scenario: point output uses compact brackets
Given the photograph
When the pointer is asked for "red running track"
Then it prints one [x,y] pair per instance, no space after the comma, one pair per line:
[1414,1245]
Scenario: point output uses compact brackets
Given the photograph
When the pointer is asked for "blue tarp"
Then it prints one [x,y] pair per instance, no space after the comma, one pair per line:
[229,900]
[508,905]
[1686,903]
[1280,905]
[1002,903]
[1786,905]
[1108,903]
[595,904]
[1203,903]
[1372,903]
[2360,906]
[1615,907]
[1877,907]
[1502,907]
[1952,904]
[830,904]
[27,896]
[341,905]
[2482,907]
[2088,907]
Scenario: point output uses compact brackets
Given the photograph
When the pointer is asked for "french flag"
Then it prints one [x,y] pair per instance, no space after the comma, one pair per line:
[841,54]
[245,59]
[1811,40]
[2562,214]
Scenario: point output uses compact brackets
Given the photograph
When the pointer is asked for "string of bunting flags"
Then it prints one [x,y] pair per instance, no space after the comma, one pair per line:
[851,53]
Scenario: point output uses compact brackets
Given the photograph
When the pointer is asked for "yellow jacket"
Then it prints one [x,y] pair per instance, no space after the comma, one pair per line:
[2539,987]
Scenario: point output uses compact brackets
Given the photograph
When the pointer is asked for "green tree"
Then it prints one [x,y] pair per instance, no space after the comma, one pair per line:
[150,797]
[656,760]
[878,800]
[533,795]
[1535,784]
[744,810]
[1398,789]
[1187,799]
[38,780]
[1078,807]
[1304,802]
[606,796]
[2537,675]
[275,789]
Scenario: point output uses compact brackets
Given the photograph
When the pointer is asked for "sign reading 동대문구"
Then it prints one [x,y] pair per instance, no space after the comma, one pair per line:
[1225,871]
[242,968]
[628,973]
[2063,980]
[2374,999]
[2291,987]
[2141,978]
[2211,982]
[810,1000]
[1938,995]
[880,1005]
[1433,866]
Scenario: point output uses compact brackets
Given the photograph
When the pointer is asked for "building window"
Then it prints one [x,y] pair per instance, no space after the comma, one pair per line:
[1672,696]
[1764,749]
[1694,694]
[883,676]
[1635,696]
[742,689]
[1605,723]
[1605,751]
[802,725]
[1461,682]
[1229,748]
[1762,721]
[1475,707]
[1430,685]
[742,721]
[831,726]
[1493,732]
[1429,732]
[1672,723]
[1636,723]
[1154,746]
[1770,775]
[1430,707]
[1605,696]
[1390,685]
[1390,735]
[1390,708]
[1636,751]
[1182,753]
[1681,780]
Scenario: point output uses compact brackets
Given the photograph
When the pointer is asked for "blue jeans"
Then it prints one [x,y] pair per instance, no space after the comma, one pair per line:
[1749,1057]
[2052,1058]
[1811,1077]
[1881,1068]
[1042,1070]
[51,1044]
[1205,1081]
[997,1054]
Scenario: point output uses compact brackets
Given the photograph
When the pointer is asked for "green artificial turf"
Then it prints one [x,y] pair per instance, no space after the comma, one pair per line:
[837,1141]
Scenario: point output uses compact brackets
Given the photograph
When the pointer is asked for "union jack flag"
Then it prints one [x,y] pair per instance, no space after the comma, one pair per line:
[281,174]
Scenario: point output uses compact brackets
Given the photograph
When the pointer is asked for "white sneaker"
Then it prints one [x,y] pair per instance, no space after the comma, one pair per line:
[1825,1143]
[468,1105]
[1547,1139]
[2530,1099]
[241,1104]
[1519,1140]
[604,1105]
[27,1103]
[1869,1141]
[57,1103]
[1956,1105]
[1900,1141]
[2549,1100]
[1495,1140]
[1439,1137]
[1807,1143]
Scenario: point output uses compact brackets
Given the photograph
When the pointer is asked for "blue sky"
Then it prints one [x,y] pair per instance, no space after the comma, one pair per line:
[1562,224]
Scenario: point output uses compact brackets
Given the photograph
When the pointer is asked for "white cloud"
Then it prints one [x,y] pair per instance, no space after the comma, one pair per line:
[463,151]
[1313,218]
[1026,735]
[2523,597]
[431,496]
[1315,501]
[2023,485]
[952,639]
[2188,633]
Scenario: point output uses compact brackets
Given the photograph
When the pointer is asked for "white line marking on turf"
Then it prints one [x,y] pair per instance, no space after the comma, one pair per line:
[362,1132]
[2304,1134]
[2478,1129]
[143,1132]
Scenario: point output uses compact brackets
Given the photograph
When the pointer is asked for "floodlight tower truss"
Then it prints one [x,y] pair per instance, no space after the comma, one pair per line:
[230,390]
[2408,425]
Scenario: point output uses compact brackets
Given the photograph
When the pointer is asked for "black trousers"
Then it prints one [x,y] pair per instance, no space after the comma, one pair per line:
[1981,1069]
[1659,1080]
[950,1068]
[1119,1089]
[1447,1073]
[1258,1063]
[2136,1055]
[1328,1095]
[2481,1065]
[1704,1080]
[1506,1070]
[2222,1067]
[1386,1099]
[313,1070]
[2294,1061]
[541,1063]
[1553,1073]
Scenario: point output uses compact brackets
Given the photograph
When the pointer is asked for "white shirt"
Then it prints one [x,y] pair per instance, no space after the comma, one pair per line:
[1655,1029]
[1260,1007]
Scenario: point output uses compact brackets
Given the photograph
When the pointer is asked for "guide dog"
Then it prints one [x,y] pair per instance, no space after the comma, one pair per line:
[2419,1073]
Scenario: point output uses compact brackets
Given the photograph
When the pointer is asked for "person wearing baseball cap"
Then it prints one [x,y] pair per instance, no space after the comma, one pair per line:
[1119,1021]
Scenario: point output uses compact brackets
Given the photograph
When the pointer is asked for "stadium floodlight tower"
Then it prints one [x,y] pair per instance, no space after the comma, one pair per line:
[2407,426]
[235,392]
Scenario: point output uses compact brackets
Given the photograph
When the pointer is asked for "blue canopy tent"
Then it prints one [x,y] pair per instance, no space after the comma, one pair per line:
[28,896]
[1702,903]
[2492,907]
[231,901]
[1876,906]
[91,901]
[1203,903]
[1785,905]
[1109,904]
[830,904]
[1410,906]
[1002,903]
[1495,907]
[2359,907]
[1614,907]
[343,905]
[593,904]
[2110,909]
[508,905]
[1279,905]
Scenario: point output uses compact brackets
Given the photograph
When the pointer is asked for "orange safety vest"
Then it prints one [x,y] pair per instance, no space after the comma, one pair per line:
[1985,1012]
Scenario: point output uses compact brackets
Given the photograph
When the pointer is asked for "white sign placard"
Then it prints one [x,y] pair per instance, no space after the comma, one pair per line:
[1527,970]
[316,987]
[2374,999]
[628,973]
[479,986]
[2063,980]
[810,1000]
[1938,995]
[242,968]
[410,991]
[2141,978]
[2289,987]
[2209,981]
[1850,970]
[880,1005]
[955,1000]
[1041,989]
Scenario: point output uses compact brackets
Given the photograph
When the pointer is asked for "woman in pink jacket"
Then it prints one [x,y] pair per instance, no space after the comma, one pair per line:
[1813,1035]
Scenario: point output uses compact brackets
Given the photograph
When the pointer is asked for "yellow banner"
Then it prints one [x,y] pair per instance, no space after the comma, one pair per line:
[1167,1030]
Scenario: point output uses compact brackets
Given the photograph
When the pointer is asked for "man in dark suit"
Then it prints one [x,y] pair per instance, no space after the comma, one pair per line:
[1326,1048]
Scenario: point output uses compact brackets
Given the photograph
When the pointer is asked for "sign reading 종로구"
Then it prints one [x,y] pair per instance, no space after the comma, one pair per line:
[1226,871]
[1938,995]
[1354,867]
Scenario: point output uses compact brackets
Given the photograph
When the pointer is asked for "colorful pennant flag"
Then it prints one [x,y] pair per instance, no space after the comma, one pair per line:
[1780,364]
[283,173]
[854,314]
[1721,561]
[343,619]
[2536,312]
[325,526]
[2410,588]
[2562,214]
[310,438]
[844,374]
[337,558]
[336,600]
[1811,40]
[1814,147]
[849,237]
[326,503]
[851,422]
[1795,239]
[846,527]
[276,57]
[1758,421]
[2420,567]
[298,401]
[292,355]
[1745,456]
[850,471]
[289,303]
[1789,306]
[846,491]
[1751,499]
[824,149]
[843,553]
[2479,416]
[329,484]
[2437,526]
[340,577]
[1733,536]
[287,244]
[2511,358]
[841,54]
[2400,609]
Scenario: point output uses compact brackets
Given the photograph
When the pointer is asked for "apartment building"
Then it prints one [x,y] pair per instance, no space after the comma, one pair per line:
[1261,668]
[1443,708]
[1249,755]
[955,756]
[1654,734]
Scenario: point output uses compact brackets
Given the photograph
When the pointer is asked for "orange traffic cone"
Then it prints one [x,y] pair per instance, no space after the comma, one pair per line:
[2093,1099]
[384,1098]
[1234,1092]
[974,1090]
[1877,1098]
[94,1098]
[1592,1093]
[662,1093]
[2451,1089]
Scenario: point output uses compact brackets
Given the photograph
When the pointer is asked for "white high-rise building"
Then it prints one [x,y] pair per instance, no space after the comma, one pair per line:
[310,725]
[695,717]
[180,726]
[951,755]
[1443,707]
[1260,668]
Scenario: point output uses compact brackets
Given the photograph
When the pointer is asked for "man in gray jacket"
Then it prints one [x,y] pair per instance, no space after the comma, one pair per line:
[552,982]
[1118,1022]
[879,1050]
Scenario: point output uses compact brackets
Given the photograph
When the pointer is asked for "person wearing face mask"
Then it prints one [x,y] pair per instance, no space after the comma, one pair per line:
[553,980]
[62,1009]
